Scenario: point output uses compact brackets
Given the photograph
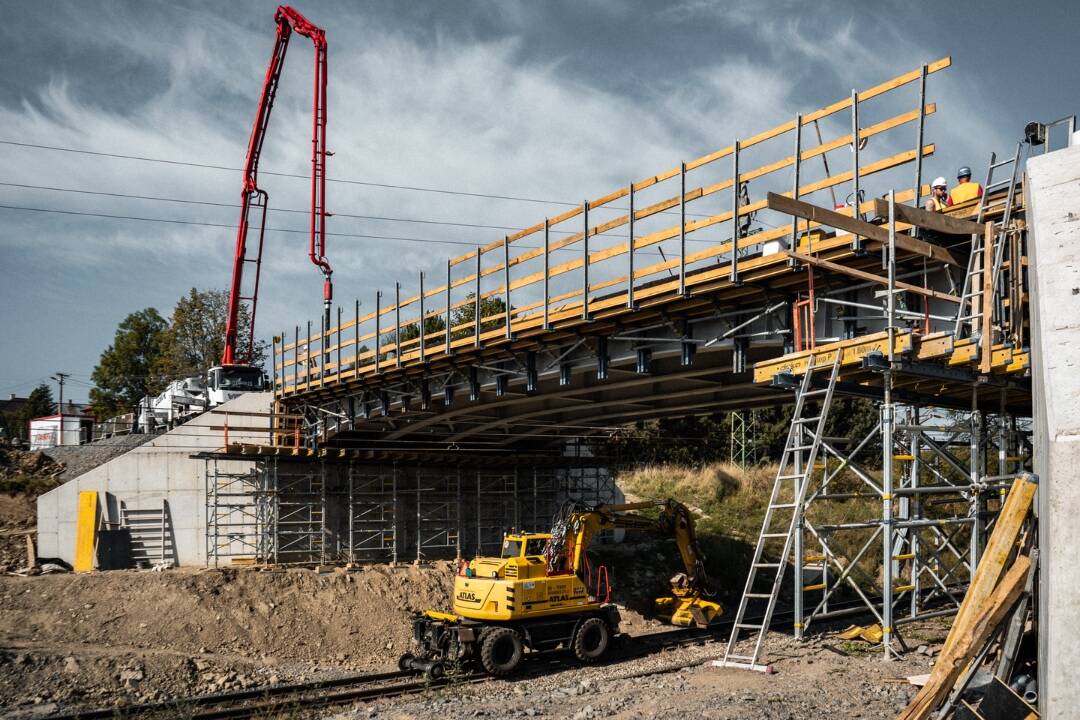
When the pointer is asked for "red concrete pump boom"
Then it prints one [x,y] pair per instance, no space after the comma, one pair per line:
[252,197]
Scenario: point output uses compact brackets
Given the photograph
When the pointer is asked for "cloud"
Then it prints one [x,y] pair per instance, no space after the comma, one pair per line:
[436,106]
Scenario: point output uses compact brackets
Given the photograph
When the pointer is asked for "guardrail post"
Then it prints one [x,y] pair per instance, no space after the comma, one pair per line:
[378,333]
[448,304]
[476,302]
[630,253]
[585,244]
[506,284]
[422,353]
[682,229]
[397,324]
[734,264]
[547,272]
[856,242]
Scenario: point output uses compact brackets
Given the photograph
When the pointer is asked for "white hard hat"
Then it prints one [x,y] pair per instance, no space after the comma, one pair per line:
[939,182]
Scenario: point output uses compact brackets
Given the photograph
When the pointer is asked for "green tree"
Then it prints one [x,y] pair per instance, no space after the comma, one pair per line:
[15,425]
[127,370]
[492,315]
[40,402]
[195,338]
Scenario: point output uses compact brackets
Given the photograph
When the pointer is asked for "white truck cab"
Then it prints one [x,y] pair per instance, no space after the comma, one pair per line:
[225,382]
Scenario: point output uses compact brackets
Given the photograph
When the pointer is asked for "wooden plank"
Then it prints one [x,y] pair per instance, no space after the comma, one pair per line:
[929,220]
[853,225]
[968,638]
[851,352]
[870,277]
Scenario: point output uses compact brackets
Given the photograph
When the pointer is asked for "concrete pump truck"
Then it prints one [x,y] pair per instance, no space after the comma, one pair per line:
[543,593]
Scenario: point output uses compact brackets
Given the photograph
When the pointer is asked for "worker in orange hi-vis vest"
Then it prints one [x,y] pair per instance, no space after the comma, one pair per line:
[965,190]
[938,196]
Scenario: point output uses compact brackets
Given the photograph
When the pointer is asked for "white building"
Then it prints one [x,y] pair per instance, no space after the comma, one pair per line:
[63,429]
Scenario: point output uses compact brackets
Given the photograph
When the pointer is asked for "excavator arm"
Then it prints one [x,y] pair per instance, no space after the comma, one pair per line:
[571,539]
[254,200]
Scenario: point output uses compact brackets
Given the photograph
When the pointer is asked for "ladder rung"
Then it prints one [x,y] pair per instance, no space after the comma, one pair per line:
[811,393]
[807,420]
[811,588]
[779,506]
[748,626]
[813,558]
[774,535]
[739,657]
[766,565]
[904,556]
[903,588]
[758,596]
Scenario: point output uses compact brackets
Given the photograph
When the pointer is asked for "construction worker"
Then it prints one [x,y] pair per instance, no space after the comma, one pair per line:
[965,189]
[938,199]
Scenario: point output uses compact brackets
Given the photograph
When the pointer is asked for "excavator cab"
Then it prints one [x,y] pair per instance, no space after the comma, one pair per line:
[525,545]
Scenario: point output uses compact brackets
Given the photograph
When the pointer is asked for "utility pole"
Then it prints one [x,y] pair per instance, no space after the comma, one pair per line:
[60,378]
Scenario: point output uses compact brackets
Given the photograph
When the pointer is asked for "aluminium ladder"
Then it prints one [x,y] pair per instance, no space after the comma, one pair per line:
[970,307]
[796,468]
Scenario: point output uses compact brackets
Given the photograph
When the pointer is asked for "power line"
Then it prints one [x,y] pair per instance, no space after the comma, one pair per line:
[280,230]
[158,198]
[207,166]
[183,201]
[230,227]
[365,183]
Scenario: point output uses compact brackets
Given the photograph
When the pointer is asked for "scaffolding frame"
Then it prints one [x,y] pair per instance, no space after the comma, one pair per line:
[239,512]
[922,486]
[317,511]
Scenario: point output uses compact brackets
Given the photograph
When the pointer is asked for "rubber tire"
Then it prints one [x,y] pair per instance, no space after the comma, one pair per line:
[435,672]
[591,640]
[403,662]
[501,651]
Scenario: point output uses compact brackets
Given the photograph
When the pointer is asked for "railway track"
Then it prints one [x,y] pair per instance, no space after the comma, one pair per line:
[303,697]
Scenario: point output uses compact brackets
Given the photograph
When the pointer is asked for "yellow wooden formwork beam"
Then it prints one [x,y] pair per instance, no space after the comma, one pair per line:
[852,351]
[86,527]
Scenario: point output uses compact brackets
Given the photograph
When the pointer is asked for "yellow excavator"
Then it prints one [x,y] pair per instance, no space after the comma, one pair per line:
[543,593]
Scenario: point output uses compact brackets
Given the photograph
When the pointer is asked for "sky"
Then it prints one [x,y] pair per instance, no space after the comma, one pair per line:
[549,101]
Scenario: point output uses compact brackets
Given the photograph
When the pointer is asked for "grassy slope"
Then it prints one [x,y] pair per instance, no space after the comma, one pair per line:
[729,503]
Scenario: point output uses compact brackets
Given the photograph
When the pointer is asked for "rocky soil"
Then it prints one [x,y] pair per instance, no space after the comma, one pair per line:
[130,636]
[78,459]
[821,678]
[18,517]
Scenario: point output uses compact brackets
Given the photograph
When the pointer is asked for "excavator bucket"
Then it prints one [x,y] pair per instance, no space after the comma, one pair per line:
[688,611]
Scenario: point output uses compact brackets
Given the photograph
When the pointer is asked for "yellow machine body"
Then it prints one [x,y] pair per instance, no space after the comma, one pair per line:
[516,586]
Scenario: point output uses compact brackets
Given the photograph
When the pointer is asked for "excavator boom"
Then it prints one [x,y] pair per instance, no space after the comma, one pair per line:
[572,536]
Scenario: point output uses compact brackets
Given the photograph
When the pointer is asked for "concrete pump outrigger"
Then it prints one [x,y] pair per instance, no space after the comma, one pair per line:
[542,593]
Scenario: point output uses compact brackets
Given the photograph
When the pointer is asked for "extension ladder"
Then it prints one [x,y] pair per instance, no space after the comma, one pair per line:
[970,308]
[796,468]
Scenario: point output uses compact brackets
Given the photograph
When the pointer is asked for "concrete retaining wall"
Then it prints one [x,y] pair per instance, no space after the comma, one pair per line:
[1053,216]
[161,469]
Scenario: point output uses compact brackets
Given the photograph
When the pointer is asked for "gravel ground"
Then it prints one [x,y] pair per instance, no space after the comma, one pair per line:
[815,679]
[79,459]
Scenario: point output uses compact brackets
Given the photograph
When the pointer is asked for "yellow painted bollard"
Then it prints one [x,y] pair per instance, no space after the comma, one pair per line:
[86,527]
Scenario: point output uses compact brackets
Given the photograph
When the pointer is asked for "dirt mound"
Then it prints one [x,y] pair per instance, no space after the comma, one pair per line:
[18,516]
[19,469]
[131,635]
